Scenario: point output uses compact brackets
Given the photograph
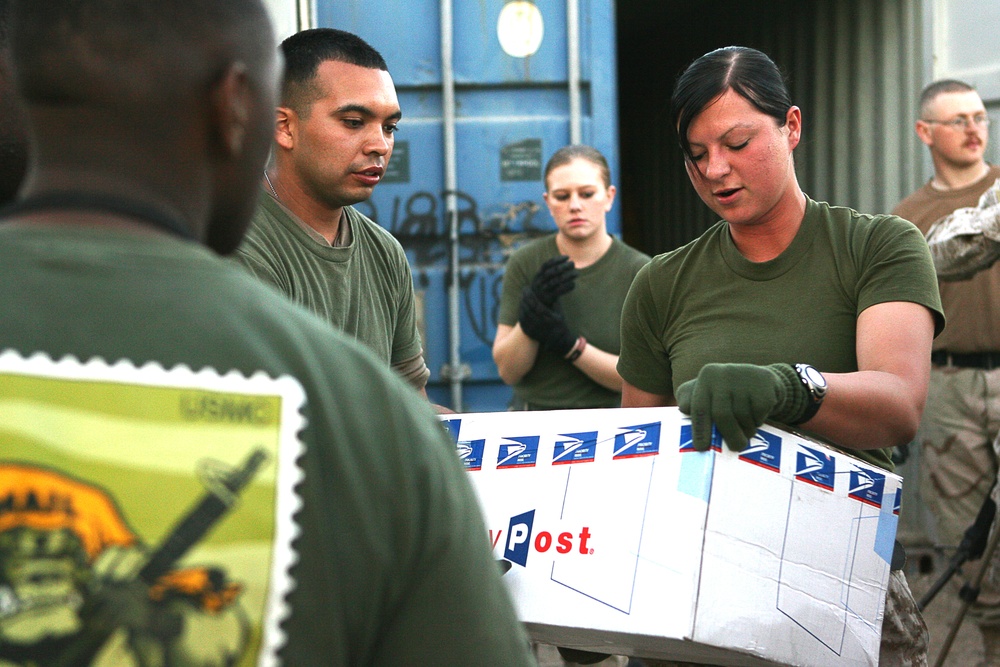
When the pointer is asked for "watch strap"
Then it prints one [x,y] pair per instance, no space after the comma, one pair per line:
[811,409]
[815,396]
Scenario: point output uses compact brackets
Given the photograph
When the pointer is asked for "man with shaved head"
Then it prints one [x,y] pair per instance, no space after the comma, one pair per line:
[150,121]
[333,137]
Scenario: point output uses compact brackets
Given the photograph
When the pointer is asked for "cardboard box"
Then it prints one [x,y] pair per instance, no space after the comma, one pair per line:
[622,538]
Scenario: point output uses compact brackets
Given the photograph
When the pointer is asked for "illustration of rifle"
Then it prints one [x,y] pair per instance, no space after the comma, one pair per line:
[222,493]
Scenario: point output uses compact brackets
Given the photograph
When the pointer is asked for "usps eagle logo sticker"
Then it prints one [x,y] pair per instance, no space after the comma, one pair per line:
[640,440]
[867,486]
[575,448]
[686,443]
[815,467]
[763,450]
[164,498]
[470,452]
[518,452]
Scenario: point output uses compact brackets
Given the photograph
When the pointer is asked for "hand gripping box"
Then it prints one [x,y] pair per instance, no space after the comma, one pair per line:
[621,538]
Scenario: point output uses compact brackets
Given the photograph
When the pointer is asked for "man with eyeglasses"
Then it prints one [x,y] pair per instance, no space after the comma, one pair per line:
[958,434]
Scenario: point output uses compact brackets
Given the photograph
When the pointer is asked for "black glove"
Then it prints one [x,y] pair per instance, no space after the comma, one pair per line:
[558,338]
[738,398]
[555,277]
[532,315]
[544,324]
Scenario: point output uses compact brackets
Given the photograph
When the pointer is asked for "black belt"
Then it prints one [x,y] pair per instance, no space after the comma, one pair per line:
[984,360]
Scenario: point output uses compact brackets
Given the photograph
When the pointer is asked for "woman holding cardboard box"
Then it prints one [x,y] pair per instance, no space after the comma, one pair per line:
[788,309]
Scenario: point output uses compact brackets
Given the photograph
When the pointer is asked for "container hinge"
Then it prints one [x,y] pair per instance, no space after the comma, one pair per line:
[463,372]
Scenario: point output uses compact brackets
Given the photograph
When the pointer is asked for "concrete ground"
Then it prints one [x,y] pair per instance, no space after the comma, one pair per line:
[925,565]
[940,615]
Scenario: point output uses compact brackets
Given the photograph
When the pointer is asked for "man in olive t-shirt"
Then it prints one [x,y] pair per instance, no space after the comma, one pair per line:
[332,142]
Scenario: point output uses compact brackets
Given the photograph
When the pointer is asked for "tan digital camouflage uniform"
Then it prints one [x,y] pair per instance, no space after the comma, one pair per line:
[968,240]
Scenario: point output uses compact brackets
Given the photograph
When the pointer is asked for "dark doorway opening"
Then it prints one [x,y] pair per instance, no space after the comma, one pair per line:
[656,41]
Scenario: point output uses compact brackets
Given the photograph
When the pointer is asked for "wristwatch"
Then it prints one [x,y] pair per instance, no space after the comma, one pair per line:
[815,385]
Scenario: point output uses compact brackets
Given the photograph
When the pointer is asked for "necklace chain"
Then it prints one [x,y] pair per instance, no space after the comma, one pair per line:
[268,179]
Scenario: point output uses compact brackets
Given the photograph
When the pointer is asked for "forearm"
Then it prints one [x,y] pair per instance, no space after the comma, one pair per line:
[514,353]
[868,410]
[968,240]
[881,404]
[633,397]
[600,366]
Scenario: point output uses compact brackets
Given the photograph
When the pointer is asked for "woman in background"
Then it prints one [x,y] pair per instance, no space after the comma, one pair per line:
[558,334]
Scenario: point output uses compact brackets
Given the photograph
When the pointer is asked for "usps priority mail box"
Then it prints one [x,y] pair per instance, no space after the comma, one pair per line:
[621,538]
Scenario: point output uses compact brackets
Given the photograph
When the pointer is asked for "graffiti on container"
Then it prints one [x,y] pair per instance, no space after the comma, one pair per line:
[481,293]
[486,239]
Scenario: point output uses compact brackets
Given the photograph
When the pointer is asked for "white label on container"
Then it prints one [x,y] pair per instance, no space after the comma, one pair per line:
[520,28]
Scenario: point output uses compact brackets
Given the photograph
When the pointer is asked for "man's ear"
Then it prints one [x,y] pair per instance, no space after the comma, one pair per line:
[284,127]
[231,108]
[925,132]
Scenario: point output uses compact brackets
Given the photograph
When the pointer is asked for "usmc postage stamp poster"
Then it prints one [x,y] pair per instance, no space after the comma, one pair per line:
[145,513]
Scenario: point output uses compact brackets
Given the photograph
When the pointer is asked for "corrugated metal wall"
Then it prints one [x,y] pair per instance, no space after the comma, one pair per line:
[854,67]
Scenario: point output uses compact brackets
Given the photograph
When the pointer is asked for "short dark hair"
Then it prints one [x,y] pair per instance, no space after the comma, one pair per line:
[305,51]
[5,10]
[748,72]
[13,128]
[567,154]
[112,51]
[935,88]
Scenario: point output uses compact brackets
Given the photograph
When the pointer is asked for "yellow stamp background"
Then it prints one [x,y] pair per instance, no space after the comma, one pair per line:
[148,438]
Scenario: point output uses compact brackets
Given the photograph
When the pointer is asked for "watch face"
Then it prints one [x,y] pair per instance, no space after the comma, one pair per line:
[814,376]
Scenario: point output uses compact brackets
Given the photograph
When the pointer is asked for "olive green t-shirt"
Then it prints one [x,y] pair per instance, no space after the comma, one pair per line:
[364,289]
[592,310]
[392,558]
[706,303]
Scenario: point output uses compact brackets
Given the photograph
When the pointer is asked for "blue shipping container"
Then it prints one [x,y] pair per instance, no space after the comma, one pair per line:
[486,100]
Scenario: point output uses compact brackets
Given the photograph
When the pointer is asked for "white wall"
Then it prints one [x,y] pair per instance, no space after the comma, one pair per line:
[290,16]
[966,46]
